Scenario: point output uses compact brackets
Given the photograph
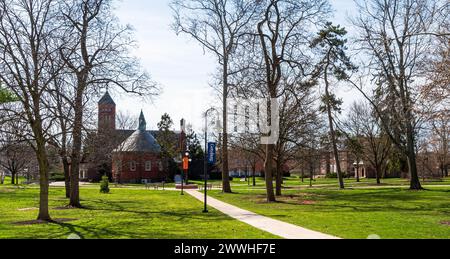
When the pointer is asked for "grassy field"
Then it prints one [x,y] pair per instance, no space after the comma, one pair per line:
[295,182]
[387,211]
[8,180]
[122,214]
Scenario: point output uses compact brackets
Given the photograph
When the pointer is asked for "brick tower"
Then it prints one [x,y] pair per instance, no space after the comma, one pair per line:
[106,113]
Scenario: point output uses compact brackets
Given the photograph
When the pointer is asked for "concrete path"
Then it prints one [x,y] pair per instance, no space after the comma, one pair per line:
[63,184]
[276,227]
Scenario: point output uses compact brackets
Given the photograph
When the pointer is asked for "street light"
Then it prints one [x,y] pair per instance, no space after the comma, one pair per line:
[185,164]
[205,210]
[187,155]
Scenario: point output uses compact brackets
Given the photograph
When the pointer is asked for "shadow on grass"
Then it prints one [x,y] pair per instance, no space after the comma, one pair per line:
[385,200]
[180,214]
[96,233]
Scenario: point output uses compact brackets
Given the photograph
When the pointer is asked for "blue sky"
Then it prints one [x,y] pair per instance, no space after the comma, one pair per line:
[178,63]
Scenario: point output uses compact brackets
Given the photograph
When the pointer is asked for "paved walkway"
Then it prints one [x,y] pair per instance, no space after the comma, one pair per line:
[276,227]
[63,184]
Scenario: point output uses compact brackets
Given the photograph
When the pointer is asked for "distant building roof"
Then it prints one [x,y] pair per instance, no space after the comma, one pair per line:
[140,141]
[106,99]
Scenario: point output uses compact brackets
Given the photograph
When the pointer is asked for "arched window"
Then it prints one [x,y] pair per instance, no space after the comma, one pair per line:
[160,166]
[133,166]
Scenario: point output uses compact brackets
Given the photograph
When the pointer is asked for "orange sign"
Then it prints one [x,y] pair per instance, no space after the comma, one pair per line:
[186,163]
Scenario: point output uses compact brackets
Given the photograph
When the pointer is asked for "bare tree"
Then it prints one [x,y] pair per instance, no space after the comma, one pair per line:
[60,107]
[218,25]
[374,144]
[249,145]
[299,120]
[281,39]
[97,54]
[125,121]
[27,33]
[396,36]
[15,153]
[310,155]
[440,141]
[353,130]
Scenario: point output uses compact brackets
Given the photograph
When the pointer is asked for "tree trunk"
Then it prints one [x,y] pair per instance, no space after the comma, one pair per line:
[412,165]
[269,173]
[279,179]
[43,193]
[17,179]
[378,174]
[43,179]
[13,178]
[226,186]
[254,177]
[357,172]
[74,182]
[66,168]
[412,162]
[77,146]
[333,135]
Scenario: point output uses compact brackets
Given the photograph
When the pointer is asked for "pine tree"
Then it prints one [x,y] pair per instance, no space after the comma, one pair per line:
[331,45]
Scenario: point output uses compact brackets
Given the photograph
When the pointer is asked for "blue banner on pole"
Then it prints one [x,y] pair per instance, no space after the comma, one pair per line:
[212,154]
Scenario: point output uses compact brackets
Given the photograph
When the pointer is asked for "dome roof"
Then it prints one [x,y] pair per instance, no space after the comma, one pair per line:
[140,141]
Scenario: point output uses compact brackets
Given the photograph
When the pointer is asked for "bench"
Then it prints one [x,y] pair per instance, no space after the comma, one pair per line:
[155,186]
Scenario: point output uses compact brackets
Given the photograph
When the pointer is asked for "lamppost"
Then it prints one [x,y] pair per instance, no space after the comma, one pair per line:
[205,210]
[188,160]
[189,171]
[185,170]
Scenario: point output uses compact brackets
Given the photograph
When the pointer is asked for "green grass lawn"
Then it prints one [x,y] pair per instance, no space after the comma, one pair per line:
[295,182]
[8,180]
[124,213]
[386,212]
[389,211]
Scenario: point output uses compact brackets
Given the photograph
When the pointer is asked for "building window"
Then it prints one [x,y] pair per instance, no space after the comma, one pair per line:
[160,165]
[82,174]
[133,166]
[148,166]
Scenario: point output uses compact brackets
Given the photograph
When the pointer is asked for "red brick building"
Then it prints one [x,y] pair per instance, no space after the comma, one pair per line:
[138,158]
[125,155]
[106,113]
